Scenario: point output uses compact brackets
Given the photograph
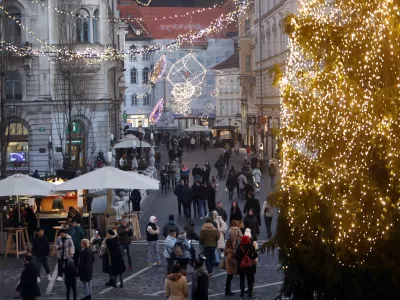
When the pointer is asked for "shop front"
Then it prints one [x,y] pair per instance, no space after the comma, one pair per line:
[78,144]
[136,120]
[17,148]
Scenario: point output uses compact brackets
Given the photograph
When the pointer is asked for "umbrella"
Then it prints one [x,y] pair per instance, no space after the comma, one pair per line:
[127,144]
[24,185]
[197,128]
[109,178]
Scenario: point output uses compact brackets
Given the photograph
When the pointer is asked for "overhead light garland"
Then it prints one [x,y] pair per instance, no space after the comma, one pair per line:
[156,113]
[159,69]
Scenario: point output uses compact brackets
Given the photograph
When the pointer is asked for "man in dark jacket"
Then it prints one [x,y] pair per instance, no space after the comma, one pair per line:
[41,250]
[200,193]
[221,212]
[125,233]
[77,234]
[171,224]
[28,286]
[187,198]
[135,199]
[253,204]
[178,193]
[164,178]
[196,172]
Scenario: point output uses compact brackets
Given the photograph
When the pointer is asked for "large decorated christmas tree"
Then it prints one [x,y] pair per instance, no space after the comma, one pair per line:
[338,230]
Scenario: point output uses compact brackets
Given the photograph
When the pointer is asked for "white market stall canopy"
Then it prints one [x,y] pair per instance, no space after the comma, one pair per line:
[109,178]
[128,143]
[24,185]
[197,128]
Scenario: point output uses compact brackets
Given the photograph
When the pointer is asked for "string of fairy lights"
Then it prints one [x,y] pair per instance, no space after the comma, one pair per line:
[340,117]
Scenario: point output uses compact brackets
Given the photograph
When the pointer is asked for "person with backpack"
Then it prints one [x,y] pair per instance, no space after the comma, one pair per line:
[169,249]
[182,250]
[245,256]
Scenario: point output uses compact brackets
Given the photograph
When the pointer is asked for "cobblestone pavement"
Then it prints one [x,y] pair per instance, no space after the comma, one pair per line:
[147,282]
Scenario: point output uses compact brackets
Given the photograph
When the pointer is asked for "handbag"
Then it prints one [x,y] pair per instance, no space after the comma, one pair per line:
[222,264]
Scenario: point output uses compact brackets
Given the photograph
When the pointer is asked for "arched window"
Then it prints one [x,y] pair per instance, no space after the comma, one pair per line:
[132,54]
[146,100]
[82,25]
[96,35]
[134,75]
[13,86]
[78,144]
[146,75]
[13,30]
[17,137]
[134,100]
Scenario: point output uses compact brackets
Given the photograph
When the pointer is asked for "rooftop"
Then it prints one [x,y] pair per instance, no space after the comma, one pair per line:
[229,63]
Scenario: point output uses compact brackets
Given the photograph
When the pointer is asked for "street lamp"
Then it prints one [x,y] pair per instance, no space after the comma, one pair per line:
[140,128]
[229,128]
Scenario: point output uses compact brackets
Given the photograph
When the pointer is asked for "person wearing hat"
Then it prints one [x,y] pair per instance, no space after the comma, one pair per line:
[255,245]
[250,221]
[244,251]
[152,232]
[77,234]
[65,250]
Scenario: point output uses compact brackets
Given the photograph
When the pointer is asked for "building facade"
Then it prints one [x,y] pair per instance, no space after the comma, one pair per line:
[58,106]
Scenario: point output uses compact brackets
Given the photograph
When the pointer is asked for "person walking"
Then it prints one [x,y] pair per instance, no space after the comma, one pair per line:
[135,199]
[196,172]
[187,198]
[230,266]
[169,249]
[152,232]
[178,192]
[272,174]
[70,278]
[28,286]
[268,211]
[214,184]
[211,198]
[85,267]
[176,286]
[192,143]
[227,157]
[164,178]
[41,250]
[174,170]
[113,262]
[235,213]
[200,280]
[251,222]
[184,173]
[230,184]
[31,222]
[125,233]
[242,181]
[221,212]
[257,176]
[171,224]
[245,255]
[65,250]
[234,233]
[209,237]
[157,157]
[196,205]
[221,227]
[205,176]
[201,194]
[183,242]
[77,234]
[254,204]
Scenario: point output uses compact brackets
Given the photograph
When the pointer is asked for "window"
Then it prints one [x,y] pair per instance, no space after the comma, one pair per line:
[247,27]
[146,100]
[134,100]
[82,26]
[134,76]
[96,38]
[145,55]
[13,30]
[146,75]
[13,86]
[221,109]
[248,63]
[133,53]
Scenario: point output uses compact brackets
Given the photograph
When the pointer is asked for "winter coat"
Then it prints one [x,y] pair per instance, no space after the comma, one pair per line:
[272,170]
[267,209]
[113,262]
[231,182]
[191,233]
[70,273]
[135,199]
[169,246]
[171,224]
[254,162]
[222,213]
[200,192]
[27,285]
[242,180]
[211,198]
[185,246]
[41,246]
[85,267]
[164,177]
[196,171]
[205,174]
[242,249]
[176,287]
[77,234]
[253,204]
[230,261]
[184,172]
[200,281]
[178,191]
[221,227]
[67,244]
[209,235]
[235,214]
[187,195]
[251,222]
[235,235]
[257,174]
[30,218]
[124,237]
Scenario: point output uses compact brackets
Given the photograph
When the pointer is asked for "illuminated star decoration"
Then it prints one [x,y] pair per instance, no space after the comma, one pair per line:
[159,69]
[207,109]
[156,112]
[186,77]
[220,83]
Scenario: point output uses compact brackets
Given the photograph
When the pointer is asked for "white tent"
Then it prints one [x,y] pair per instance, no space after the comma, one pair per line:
[109,178]
[197,128]
[24,185]
[128,144]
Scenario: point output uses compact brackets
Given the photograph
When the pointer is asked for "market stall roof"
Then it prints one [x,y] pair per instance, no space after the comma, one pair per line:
[127,144]
[110,178]
[224,126]
[197,128]
[24,185]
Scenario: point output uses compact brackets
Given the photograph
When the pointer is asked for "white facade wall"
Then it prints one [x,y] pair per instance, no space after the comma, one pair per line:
[217,51]
[228,99]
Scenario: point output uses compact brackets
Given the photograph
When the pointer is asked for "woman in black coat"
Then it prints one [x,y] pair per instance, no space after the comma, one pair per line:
[251,222]
[236,213]
[113,262]
[211,198]
[231,182]
[27,285]
[85,267]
